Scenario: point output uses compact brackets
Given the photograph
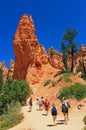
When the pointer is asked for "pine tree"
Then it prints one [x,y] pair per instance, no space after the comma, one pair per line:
[69,46]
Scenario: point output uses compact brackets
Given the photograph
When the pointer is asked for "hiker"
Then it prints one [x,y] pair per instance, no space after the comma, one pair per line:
[40,103]
[46,106]
[54,113]
[37,98]
[30,103]
[65,106]
[42,99]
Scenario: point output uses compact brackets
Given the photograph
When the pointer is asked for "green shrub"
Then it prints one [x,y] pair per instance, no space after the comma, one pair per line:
[22,90]
[84,119]
[51,53]
[13,91]
[84,77]
[12,117]
[59,73]
[47,82]
[64,92]
[76,91]
[79,69]
[79,91]
[66,76]
[55,82]
[85,128]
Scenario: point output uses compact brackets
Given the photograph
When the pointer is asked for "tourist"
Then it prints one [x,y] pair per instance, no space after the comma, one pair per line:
[40,103]
[54,113]
[65,107]
[46,106]
[30,103]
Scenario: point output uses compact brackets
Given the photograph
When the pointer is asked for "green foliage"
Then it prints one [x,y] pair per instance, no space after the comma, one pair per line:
[70,35]
[69,46]
[55,82]
[47,82]
[64,56]
[12,94]
[85,128]
[79,69]
[51,53]
[12,117]
[84,119]
[66,76]
[13,91]
[59,73]
[64,92]
[22,90]
[84,77]
[76,91]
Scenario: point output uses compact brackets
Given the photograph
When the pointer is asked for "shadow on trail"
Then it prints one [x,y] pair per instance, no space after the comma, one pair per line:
[44,114]
[50,125]
[59,122]
[29,111]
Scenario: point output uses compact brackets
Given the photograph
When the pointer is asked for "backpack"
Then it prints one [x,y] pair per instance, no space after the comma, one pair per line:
[64,107]
[46,104]
[54,110]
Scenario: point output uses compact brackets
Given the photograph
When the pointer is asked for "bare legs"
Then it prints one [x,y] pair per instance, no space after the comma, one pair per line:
[65,117]
[54,120]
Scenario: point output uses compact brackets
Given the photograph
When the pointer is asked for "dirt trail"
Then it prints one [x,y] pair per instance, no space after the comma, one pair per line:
[38,121]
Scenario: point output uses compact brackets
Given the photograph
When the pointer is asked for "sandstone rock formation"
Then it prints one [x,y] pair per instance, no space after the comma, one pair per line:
[27,50]
[11,69]
[5,70]
[55,59]
[79,59]
[83,53]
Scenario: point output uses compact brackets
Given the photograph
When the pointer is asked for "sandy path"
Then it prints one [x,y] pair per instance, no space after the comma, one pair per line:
[37,121]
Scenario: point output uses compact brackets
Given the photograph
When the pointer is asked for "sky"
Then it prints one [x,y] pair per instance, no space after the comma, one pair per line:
[51,20]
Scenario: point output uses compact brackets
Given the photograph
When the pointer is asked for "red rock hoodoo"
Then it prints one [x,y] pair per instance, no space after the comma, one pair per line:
[27,50]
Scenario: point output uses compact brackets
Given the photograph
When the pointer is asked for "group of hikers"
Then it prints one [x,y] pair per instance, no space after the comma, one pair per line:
[45,104]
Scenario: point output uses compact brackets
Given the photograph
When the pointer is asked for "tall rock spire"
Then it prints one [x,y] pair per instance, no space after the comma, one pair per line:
[27,49]
[25,31]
